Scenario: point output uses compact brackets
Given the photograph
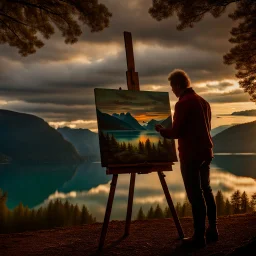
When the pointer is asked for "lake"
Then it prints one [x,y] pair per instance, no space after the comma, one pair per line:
[88,184]
[134,137]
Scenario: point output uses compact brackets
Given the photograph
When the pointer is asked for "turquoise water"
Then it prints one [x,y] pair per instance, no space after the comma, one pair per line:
[88,184]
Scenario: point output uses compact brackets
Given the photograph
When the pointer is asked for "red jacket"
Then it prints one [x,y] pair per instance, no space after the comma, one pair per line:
[191,126]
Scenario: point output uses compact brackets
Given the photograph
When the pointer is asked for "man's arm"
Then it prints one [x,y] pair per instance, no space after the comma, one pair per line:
[178,123]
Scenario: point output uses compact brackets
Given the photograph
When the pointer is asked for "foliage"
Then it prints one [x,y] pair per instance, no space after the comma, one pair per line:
[56,214]
[21,22]
[243,54]
[240,203]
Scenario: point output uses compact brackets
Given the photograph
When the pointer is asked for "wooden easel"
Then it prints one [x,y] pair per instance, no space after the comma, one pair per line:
[133,84]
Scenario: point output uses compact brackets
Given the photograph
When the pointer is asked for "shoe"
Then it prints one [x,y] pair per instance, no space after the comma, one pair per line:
[212,234]
[194,242]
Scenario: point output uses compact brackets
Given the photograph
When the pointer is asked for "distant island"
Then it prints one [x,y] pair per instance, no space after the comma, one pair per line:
[251,112]
[26,138]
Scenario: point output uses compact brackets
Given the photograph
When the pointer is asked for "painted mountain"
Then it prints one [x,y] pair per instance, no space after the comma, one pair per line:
[108,122]
[85,141]
[29,139]
[128,118]
[236,139]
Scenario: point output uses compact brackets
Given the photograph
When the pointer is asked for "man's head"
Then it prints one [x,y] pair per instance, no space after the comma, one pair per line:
[179,81]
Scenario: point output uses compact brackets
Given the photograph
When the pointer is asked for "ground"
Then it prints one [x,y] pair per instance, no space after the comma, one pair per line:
[148,237]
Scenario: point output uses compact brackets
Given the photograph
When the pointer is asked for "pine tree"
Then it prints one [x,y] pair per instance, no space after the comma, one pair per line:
[244,203]
[148,146]
[253,202]
[85,216]
[141,147]
[167,212]
[141,215]
[220,203]
[178,209]
[228,208]
[150,214]
[158,213]
[236,201]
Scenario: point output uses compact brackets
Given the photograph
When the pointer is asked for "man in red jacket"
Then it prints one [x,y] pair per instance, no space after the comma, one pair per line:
[192,126]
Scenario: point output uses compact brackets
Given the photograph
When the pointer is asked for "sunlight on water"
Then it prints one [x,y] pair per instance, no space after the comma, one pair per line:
[148,190]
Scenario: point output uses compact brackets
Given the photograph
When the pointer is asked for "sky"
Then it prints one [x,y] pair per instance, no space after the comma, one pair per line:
[57,83]
[142,105]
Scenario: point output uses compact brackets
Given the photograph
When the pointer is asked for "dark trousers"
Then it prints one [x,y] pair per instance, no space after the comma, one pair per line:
[196,177]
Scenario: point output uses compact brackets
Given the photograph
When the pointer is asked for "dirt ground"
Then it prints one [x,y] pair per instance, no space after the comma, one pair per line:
[148,237]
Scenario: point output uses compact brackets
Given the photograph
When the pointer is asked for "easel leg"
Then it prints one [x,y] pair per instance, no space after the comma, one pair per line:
[170,203]
[130,202]
[108,210]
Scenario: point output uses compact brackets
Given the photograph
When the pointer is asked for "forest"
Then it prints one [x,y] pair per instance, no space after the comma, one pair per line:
[64,214]
[114,152]
[238,203]
[56,214]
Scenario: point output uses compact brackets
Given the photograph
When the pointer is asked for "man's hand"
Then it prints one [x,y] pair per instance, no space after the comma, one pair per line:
[158,127]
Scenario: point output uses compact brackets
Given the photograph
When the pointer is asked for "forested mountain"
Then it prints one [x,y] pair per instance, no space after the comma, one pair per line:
[85,141]
[236,139]
[29,139]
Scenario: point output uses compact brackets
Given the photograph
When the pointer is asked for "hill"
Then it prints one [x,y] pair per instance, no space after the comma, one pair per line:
[251,112]
[147,238]
[219,129]
[85,141]
[29,139]
[236,139]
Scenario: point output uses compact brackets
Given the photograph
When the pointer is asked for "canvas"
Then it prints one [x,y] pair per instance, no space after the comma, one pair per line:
[126,127]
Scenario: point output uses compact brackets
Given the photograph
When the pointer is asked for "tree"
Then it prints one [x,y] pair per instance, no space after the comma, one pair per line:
[244,203]
[22,21]
[228,207]
[243,54]
[253,201]
[158,213]
[141,215]
[150,214]
[236,201]
[220,203]
[167,212]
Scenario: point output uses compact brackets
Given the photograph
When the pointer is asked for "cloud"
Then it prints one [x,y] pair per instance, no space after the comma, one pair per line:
[57,82]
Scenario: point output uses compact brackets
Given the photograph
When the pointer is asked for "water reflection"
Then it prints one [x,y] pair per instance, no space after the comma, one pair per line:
[32,184]
[88,184]
[148,191]
[134,137]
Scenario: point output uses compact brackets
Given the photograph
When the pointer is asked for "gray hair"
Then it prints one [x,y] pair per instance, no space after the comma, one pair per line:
[180,77]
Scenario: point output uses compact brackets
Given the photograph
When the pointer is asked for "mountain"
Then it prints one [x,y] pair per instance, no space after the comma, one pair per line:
[128,118]
[152,123]
[219,129]
[29,139]
[251,112]
[108,122]
[167,123]
[236,139]
[85,141]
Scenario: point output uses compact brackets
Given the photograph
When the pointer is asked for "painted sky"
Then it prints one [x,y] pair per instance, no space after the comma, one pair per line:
[143,105]
[57,83]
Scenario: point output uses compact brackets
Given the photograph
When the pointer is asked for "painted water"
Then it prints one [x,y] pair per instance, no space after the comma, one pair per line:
[88,184]
[134,137]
